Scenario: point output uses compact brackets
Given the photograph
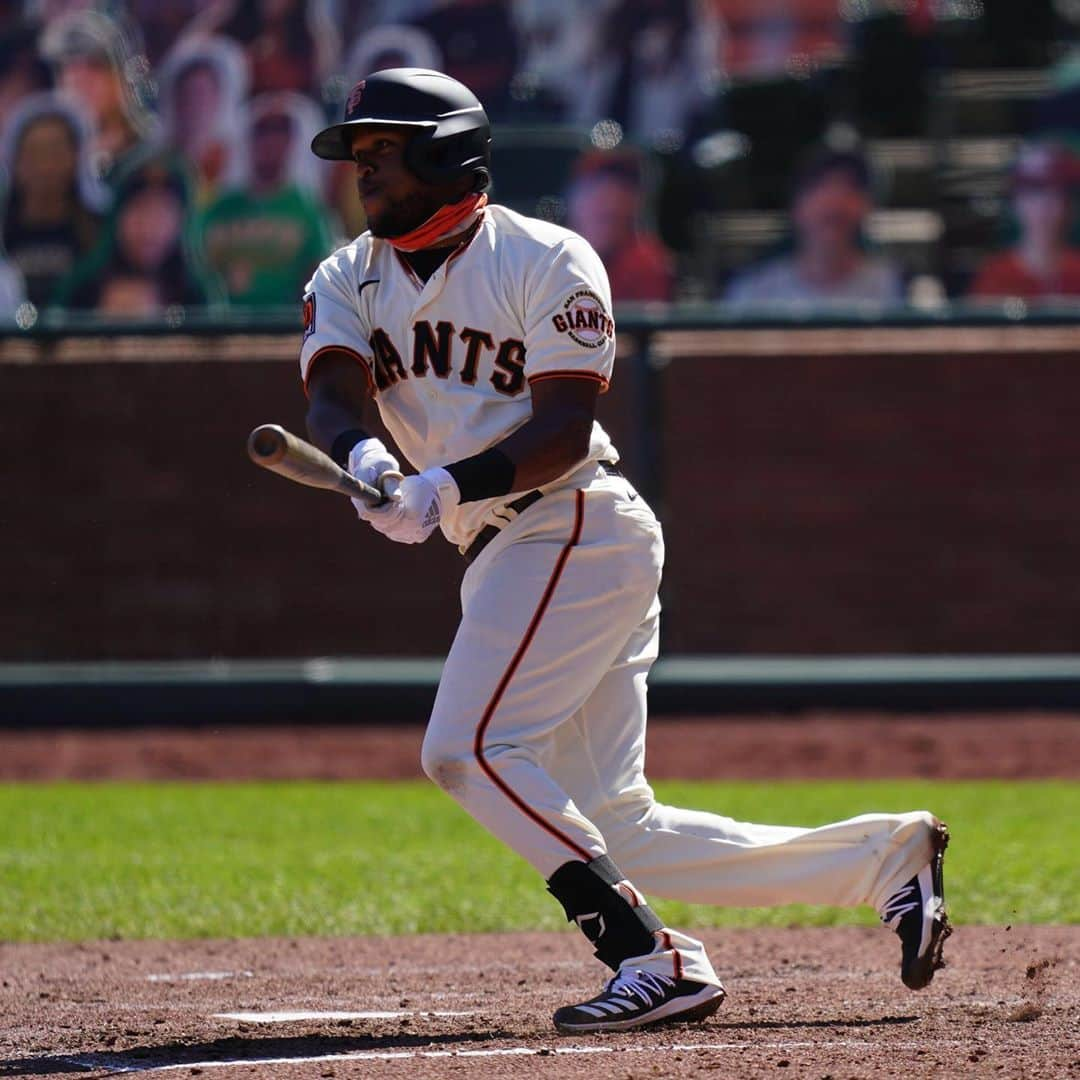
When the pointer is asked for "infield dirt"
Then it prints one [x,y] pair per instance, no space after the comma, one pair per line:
[803,1003]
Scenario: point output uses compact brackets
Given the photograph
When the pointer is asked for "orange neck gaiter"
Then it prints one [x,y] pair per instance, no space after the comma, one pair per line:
[444,222]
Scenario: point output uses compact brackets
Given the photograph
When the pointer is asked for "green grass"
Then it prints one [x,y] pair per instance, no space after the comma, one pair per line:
[80,861]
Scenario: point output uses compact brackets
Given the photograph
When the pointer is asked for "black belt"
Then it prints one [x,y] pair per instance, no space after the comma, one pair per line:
[489,532]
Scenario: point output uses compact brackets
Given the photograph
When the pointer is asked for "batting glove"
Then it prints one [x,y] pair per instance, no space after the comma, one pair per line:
[372,463]
[418,506]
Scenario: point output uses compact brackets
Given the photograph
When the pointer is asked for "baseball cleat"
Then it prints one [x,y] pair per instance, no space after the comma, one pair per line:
[636,998]
[917,913]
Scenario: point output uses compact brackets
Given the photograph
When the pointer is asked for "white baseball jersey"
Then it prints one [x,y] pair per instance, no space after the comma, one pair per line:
[450,361]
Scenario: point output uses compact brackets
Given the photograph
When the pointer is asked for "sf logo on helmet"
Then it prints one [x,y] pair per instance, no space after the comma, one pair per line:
[355,94]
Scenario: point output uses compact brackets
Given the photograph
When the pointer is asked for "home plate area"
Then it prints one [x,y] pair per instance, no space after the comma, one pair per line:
[802,1002]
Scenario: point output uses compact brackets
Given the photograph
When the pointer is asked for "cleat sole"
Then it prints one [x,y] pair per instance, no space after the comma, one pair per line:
[702,1010]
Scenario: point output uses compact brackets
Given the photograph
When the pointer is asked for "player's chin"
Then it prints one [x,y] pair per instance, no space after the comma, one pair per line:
[383,221]
[388,218]
[374,211]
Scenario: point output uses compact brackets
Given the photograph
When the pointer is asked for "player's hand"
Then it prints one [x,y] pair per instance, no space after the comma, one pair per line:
[417,507]
[372,463]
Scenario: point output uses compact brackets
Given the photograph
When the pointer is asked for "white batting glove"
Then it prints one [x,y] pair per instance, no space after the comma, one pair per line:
[369,460]
[418,506]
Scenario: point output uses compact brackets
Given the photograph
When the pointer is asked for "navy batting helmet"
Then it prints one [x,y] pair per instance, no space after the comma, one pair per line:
[453,134]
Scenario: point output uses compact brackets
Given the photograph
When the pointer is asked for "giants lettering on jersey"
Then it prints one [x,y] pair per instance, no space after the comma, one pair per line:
[442,351]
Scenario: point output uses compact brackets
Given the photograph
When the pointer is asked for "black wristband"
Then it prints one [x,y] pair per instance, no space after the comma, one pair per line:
[483,476]
[344,443]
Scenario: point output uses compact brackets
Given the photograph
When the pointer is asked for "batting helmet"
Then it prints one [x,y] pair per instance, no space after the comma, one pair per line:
[453,134]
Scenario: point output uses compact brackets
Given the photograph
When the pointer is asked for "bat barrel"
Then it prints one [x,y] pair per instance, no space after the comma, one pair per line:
[267,444]
[272,447]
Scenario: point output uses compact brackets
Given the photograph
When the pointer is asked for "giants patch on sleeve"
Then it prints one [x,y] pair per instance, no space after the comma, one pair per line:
[584,320]
[309,315]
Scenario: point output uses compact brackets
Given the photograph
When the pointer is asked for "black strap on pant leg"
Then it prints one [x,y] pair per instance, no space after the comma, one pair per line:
[617,928]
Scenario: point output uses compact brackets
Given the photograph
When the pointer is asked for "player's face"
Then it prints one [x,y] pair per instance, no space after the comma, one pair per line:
[395,201]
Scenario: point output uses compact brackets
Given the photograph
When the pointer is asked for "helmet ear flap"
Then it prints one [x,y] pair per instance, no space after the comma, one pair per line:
[418,157]
[437,160]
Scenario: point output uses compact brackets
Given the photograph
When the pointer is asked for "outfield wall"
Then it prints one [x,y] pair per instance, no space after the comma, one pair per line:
[823,491]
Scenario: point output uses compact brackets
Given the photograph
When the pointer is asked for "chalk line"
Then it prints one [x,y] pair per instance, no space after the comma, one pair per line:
[201,976]
[99,1062]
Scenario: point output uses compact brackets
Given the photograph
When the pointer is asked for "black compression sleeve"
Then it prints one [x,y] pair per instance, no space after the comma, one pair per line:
[344,443]
[483,476]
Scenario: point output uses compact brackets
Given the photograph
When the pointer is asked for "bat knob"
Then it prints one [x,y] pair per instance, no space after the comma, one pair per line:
[266,444]
[389,483]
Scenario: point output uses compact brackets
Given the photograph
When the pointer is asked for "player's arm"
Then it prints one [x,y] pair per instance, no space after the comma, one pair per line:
[549,445]
[339,394]
[554,439]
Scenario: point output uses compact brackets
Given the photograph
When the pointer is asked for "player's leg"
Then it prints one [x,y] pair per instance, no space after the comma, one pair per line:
[887,860]
[703,857]
[544,612]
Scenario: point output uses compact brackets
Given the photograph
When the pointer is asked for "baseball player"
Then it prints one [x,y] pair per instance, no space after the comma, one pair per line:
[484,338]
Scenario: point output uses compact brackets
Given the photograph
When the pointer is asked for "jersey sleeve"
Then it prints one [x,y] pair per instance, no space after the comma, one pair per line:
[332,320]
[569,332]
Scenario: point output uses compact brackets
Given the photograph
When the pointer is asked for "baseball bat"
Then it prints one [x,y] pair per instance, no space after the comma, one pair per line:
[282,452]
